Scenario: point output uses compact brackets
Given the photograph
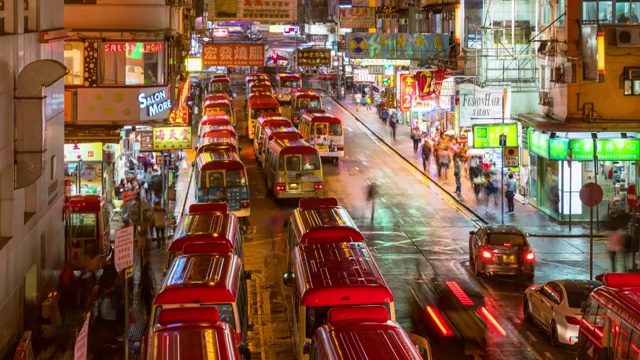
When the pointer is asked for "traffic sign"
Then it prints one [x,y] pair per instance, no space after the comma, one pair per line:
[80,348]
[511,156]
[591,194]
[503,140]
[145,139]
[632,196]
[124,248]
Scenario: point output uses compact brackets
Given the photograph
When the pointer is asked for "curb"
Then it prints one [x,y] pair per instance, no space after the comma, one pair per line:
[442,188]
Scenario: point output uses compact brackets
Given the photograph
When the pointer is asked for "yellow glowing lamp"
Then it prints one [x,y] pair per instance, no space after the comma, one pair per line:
[600,53]
[457,24]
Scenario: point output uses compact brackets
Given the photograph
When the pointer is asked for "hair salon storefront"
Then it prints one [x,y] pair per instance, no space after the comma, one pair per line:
[560,165]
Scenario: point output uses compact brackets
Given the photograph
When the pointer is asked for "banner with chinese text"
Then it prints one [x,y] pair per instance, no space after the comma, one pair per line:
[358,17]
[313,57]
[429,82]
[255,10]
[180,115]
[233,55]
[397,46]
[172,138]
[407,91]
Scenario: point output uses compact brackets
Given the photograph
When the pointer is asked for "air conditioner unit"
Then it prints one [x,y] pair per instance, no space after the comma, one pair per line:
[627,37]
[403,21]
[634,74]
[544,98]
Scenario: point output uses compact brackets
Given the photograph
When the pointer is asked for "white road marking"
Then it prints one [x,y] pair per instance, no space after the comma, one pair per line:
[549,356]
[532,337]
[357,169]
[348,128]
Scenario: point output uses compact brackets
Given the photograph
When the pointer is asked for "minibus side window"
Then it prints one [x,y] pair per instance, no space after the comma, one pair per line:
[235,178]
[203,179]
[316,317]
[293,163]
[156,313]
[281,163]
[238,245]
[634,346]
[242,302]
[172,256]
[226,313]
[216,179]
[335,129]
[622,343]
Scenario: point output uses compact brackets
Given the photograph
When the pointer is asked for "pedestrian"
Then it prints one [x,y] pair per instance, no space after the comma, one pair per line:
[358,99]
[490,190]
[159,222]
[372,193]
[393,124]
[120,189]
[617,244]
[68,287]
[146,286]
[368,101]
[415,136]
[444,159]
[511,192]
[107,308]
[457,173]
[426,154]
[385,116]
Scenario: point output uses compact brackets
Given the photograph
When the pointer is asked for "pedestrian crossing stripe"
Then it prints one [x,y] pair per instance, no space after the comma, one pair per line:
[358,45]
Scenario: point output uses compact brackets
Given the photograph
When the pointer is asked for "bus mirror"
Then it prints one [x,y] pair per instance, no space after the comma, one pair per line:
[287,279]
[422,344]
[247,275]
[306,348]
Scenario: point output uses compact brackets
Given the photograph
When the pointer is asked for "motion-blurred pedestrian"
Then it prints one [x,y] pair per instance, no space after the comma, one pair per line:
[457,173]
[510,193]
[159,222]
[426,154]
[372,193]
[617,245]
[393,123]
[358,99]
[415,137]
[147,286]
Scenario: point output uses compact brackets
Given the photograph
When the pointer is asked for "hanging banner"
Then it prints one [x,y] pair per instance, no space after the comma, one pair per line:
[483,104]
[358,17]
[254,10]
[236,54]
[172,138]
[429,82]
[397,46]
[407,91]
[83,151]
[589,52]
[314,57]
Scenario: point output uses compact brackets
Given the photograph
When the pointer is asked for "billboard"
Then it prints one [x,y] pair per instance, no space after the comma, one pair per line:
[485,104]
[313,57]
[589,52]
[233,55]
[358,17]
[171,138]
[253,10]
[397,46]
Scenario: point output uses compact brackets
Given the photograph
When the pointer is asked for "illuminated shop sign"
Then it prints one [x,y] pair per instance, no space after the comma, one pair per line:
[131,47]
[488,136]
[607,149]
[154,105]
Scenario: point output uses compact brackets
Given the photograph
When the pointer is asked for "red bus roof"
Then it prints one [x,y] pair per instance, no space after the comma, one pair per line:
[215,118]
[210,207]
[306,95]
[216,97]
[218,80]
[292,147]
[271,131]
[217,104]
[263,102]
[338,274]
[217,133]
[368,336]
[324,223]
[624,301]
[219,160]
[205,227]
[201,278]
[214,128]
[294,77]
[315,117]
[84,203]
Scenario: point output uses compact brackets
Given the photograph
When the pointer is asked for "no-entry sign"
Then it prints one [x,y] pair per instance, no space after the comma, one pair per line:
[124,248]
[632,197]
[591,194]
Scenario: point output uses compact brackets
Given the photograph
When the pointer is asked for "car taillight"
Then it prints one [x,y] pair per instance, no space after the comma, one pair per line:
[459,293]
[530,256]
[280,187]
[295,118]
[484,313]
[244,204]
[318,186]
[572,320]
[486,254]
[439,321]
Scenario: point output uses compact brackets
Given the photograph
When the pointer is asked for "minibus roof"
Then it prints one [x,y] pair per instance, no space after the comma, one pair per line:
[219,118]
[306,95]
[263,102]
[313,223]
[219,160]
[292,147]
[84,203]
[205,227]
[316,117]
[215,104]
[220,80]
[270,131]
[338,274]
[201,279]
[219,132]
[283,76]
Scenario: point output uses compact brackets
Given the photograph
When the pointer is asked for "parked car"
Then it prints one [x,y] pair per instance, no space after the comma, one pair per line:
[556,307]
[501,249]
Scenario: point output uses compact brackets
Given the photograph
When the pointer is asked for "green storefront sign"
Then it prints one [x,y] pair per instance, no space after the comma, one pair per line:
[607,149]
[558,149]
[488,136]
[539,144]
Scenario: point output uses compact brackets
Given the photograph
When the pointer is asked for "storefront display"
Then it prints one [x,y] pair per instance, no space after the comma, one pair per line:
[84,170]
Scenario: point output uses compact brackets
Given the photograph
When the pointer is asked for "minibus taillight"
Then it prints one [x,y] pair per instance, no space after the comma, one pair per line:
[244,204]
[318,186]
[280,187]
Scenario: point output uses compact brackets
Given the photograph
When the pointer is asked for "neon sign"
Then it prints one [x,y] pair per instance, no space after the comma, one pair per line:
[155,104]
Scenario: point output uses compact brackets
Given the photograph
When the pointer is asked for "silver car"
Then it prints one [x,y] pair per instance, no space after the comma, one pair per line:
[556,307]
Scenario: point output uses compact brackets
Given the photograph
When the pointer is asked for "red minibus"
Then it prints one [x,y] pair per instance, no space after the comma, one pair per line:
[327,275]
[219,143]
[256,106]
[265,120]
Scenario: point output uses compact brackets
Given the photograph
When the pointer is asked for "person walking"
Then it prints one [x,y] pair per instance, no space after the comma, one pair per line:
[358,99]
[368,101]
[444,159]
[617,244]
[511,192]
[146,286]
[384,116]
[159,222]
[457,173]
[415,136]
[372,193]
[426,154]
[393,124]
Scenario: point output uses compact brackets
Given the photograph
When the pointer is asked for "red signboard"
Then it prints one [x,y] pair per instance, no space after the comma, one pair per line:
[80,348]
[632,196]
[220,32]
[591,194]
[429,82]
[407,91]
[132,46]
[233,55]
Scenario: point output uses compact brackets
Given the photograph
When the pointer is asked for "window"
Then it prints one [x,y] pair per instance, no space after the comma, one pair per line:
[135,63]
[545,12]
[83,225]
[556,291]
[203,179]
[226,314]
[216,179]
[559,13]
[511,239]
[280,163]
[315,104]
[622,344]
[311,162]
[627,11]
[634,346]
[335,129]
[236,178]
[303,104]
[74,61]
[550,293]
[321,129]
[293,163]
[601,11]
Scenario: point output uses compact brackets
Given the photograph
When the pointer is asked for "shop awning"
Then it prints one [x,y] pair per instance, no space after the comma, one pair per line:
[91,133]
[547,123]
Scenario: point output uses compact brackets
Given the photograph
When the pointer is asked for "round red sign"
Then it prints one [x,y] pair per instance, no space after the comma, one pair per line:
[591,194]
[632,197]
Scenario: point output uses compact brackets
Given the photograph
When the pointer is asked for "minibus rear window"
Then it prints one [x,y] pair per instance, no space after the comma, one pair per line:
[293,163]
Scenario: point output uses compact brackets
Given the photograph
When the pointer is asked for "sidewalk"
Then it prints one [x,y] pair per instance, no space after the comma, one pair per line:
[526,216]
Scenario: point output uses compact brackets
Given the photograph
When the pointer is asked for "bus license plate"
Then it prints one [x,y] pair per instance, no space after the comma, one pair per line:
[321,147]
[508,258]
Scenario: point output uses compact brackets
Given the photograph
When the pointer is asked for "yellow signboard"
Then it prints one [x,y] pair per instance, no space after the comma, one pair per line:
[171,138]
[83,151]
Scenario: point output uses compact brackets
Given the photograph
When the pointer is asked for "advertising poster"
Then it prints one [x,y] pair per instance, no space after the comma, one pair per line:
[407,91]
[488,136]
[236,54]
[253,10]
[85,151]
[314,57]
[590,52]
[429,81]
[171,138]
[483,104]
[607,149]
[358,17]
[396,46]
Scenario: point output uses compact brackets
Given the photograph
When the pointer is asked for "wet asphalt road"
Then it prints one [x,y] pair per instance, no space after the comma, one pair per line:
[417,233]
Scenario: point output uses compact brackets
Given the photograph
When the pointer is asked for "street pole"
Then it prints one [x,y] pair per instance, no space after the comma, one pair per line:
[595,171]
[126,318]
[591,244]
[570,182]
[502,182]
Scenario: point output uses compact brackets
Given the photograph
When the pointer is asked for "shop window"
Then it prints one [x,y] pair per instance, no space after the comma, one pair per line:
[74,61]
[631,81]
[132,63]
[601,11]
[545,12]
[560,13]
[627,11]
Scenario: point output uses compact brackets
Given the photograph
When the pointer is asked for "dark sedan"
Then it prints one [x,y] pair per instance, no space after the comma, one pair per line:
[501,249]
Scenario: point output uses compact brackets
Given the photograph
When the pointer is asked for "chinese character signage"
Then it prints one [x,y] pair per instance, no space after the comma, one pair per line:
[539,144]
[429,82]
[171,138]
[233,55]
[488,136]
[407,91]
[397,46]
[607,150]
[83,151]
[180,116]
[358,17]
[313,57]
[478,103]
[255,10]
[154,103]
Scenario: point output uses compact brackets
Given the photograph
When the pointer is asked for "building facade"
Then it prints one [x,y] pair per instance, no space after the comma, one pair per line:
[31,185]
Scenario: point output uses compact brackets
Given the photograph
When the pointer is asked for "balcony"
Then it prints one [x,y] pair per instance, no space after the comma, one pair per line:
[149,15]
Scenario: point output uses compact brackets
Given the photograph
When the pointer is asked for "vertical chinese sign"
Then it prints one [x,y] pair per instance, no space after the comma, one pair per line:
[407,91]
[233,55]
[171,138]
[180,115]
